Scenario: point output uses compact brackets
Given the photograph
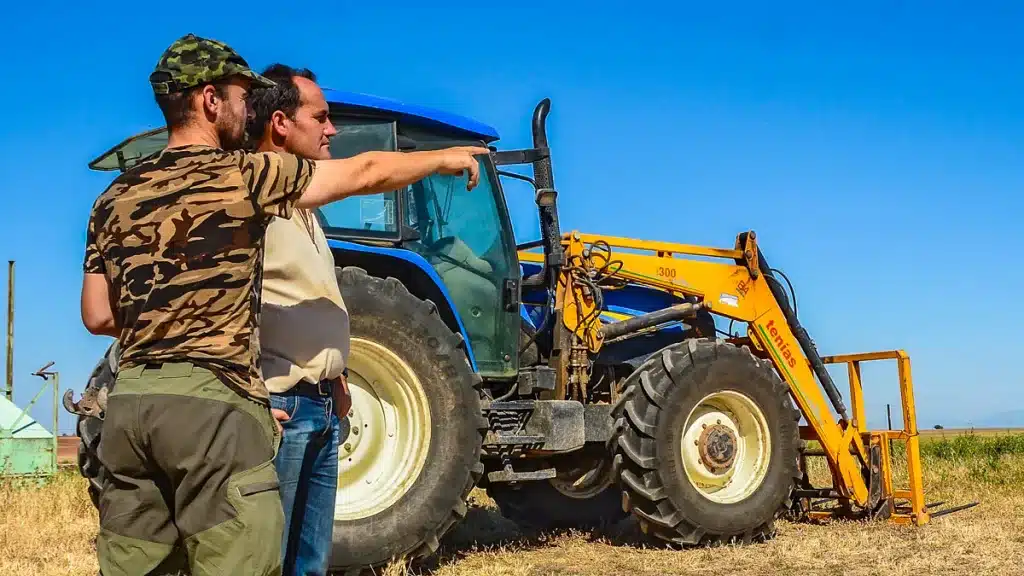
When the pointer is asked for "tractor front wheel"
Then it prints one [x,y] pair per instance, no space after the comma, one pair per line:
[706,444]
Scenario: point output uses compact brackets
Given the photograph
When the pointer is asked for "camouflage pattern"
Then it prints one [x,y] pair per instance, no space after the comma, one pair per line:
[180,237]
[192,60]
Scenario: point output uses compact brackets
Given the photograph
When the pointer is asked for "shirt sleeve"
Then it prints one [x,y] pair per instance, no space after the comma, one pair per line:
[276,180]
[93,263]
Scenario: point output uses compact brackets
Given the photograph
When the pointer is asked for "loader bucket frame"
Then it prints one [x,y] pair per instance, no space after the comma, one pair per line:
[883,496]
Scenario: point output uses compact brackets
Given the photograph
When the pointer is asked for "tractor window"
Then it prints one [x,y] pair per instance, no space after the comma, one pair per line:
[372,215]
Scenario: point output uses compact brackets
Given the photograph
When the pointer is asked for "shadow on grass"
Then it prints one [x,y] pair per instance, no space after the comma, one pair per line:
[486,530]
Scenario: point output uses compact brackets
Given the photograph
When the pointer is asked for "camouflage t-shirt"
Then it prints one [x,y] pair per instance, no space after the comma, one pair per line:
[180,237]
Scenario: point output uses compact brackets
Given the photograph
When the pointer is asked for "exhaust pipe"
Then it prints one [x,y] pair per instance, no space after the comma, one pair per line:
[546,195]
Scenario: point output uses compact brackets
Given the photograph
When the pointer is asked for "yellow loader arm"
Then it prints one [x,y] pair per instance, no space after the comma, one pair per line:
[740,286]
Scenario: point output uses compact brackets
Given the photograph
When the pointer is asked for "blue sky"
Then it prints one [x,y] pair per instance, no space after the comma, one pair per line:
[876,152]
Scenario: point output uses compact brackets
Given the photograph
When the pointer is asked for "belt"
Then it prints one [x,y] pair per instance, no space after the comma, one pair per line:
[321,389]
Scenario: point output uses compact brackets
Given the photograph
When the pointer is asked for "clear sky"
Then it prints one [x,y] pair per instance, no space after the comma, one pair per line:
[876,152]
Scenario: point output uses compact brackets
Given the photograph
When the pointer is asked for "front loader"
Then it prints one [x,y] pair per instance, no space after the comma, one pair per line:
[576,378]
[706,442]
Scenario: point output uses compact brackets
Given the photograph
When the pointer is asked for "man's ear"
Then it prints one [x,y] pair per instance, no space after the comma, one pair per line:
[210,101]
[279,124]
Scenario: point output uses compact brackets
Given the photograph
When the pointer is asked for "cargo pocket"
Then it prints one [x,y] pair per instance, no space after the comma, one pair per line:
[256,497]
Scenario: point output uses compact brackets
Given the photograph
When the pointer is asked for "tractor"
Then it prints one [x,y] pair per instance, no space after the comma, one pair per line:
[578,379]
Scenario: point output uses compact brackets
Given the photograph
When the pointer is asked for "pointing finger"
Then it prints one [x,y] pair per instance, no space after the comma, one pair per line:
[474,176]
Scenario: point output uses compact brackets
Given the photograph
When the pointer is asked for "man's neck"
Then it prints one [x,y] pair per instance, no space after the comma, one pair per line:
[192,136]
[267,145]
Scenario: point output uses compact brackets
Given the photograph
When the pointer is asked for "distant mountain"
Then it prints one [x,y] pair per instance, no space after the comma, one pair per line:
[1007,419]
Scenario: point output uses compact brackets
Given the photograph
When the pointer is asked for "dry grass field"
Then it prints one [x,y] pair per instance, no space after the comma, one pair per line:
[48,531]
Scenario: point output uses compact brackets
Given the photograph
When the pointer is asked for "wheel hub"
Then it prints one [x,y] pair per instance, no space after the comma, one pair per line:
[717,447]
[725,446]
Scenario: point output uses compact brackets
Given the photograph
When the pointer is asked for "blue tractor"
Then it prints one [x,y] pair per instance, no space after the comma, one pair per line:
[466,371]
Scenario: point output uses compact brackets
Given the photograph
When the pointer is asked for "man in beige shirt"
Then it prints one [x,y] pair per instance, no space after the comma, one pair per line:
[304,329]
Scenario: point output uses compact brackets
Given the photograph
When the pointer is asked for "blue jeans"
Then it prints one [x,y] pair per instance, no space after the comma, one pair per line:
[307,466]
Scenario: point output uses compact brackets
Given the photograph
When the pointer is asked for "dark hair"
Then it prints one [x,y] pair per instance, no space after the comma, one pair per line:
[284,97]
[177,106]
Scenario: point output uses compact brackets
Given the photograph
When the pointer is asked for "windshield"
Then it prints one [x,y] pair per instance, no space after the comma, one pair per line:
[131,151]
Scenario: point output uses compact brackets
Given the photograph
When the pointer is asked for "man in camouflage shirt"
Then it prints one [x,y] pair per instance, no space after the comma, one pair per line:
[173,264]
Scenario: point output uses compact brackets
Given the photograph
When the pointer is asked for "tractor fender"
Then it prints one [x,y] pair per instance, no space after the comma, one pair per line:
[409,268]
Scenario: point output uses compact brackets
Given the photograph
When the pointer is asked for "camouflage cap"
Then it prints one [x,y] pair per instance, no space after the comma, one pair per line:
[192,60]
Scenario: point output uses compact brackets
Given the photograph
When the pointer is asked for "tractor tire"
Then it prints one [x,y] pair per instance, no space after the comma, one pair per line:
[88,427]
[714,411]
[411,446]
[556,504]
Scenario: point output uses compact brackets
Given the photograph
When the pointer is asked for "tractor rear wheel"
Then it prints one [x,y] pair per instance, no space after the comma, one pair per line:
[88,427]
[411,446]
[706,444]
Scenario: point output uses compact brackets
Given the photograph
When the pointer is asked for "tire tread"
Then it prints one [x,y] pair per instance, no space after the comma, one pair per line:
[638,415]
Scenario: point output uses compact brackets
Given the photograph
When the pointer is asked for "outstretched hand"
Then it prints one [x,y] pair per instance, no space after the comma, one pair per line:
[459,158]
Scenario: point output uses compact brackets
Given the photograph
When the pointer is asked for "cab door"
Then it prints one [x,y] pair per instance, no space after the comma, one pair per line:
[467,238]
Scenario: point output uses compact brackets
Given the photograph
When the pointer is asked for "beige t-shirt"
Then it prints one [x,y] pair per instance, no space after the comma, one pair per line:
[304,325]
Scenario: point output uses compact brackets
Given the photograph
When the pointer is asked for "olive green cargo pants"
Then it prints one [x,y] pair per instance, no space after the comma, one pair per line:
[191,466]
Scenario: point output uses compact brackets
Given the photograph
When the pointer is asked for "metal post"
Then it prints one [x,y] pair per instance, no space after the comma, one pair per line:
[46,375]
[56,444]
[10,331]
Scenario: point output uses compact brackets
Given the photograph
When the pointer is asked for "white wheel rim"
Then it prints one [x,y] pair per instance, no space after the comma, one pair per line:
[388,435]
[726,447]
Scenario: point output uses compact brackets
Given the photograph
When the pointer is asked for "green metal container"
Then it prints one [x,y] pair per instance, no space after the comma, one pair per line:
[27,450]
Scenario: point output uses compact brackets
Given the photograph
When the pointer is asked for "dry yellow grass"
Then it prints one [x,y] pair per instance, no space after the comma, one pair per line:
[49,531]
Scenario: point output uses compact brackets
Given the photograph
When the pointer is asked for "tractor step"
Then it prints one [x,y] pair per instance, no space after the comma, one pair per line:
[509,475]
[493,438]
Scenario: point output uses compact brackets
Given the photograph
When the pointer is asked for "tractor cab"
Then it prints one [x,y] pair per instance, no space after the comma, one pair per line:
[464,237]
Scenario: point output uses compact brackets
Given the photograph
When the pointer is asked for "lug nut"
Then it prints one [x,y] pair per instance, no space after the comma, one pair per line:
[348,447]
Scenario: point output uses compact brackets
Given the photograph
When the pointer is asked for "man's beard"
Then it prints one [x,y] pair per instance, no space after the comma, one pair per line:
[231,132]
